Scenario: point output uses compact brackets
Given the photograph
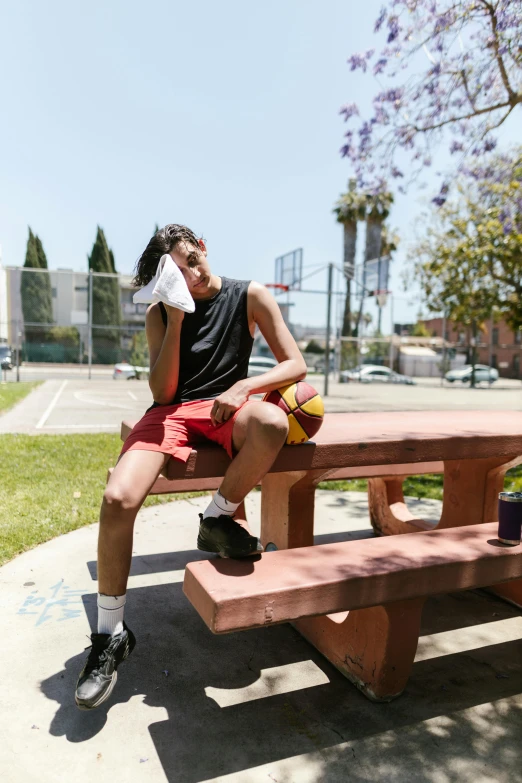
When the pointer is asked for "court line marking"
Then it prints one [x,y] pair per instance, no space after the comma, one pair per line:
[114,427]
[80,398]
[132,395]
[47,413]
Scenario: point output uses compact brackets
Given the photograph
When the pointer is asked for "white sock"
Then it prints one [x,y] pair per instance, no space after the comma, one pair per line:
[110,613]
[220,505]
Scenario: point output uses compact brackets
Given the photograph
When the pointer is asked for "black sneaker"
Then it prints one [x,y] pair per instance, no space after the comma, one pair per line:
[98,677]
[226,537]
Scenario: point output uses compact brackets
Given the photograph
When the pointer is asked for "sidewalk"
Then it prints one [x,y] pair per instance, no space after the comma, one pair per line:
[251,707]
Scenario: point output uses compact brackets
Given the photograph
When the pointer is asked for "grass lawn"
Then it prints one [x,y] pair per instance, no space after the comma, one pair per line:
[52,484]
[11,393]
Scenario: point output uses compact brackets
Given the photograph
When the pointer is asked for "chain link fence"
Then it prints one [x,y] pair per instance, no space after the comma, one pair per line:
[66,317]
[62,317]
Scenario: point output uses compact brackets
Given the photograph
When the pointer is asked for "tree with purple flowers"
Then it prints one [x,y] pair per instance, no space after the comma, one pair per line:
[469,259]
[445,65]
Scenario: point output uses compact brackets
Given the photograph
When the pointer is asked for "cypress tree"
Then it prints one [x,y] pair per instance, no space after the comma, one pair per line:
[106,307]
[35,291]
[113,265]
[31,253]
[45,284]
[40,252]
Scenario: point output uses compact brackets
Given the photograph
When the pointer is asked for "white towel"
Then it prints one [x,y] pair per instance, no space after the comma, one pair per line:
[168,285]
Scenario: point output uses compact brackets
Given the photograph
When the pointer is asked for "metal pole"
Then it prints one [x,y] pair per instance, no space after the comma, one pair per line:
[443,348]
[391,334]
[90,324]
[17,325]
[328,327]
[490,358]
[379,316]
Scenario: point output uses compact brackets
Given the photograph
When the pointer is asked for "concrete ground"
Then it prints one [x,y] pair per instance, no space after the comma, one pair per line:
[249,707]
[100,404]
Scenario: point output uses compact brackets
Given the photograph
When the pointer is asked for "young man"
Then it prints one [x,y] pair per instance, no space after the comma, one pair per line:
[198,379]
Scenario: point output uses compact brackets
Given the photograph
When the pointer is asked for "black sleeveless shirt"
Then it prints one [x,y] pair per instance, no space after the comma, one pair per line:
[215,344]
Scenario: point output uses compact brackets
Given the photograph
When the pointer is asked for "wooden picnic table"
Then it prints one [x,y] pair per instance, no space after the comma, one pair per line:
[473,449]
[375,646]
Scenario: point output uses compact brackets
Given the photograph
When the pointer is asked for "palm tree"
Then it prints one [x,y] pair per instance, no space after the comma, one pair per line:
[350,208]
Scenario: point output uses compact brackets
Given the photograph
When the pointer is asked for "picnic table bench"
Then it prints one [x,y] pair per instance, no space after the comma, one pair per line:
[362,607]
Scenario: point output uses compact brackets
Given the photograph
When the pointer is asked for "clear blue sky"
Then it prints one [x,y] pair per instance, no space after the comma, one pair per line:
[223,116]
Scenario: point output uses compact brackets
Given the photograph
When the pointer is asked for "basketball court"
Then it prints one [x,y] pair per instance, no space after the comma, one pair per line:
[66,406]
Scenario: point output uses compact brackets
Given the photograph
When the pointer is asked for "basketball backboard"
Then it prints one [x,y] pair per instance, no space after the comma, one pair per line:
[289,269]
[373,276]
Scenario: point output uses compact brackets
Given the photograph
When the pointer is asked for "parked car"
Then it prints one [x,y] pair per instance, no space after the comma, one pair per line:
[374,373]
[257,365]
[129,372]
[463,374]
[6,359]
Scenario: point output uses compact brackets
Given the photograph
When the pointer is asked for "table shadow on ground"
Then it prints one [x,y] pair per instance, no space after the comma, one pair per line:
[202,740]
[158,563]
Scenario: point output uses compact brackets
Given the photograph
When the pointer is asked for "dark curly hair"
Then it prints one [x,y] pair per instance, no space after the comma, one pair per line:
[162,242]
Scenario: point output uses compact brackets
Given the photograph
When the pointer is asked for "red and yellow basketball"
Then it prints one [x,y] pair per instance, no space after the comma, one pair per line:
[304,408]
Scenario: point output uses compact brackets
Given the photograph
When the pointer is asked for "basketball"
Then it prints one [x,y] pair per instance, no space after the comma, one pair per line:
[304,408]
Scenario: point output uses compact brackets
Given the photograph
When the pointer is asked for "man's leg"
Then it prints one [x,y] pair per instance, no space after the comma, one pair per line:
[260,430]
[129,485]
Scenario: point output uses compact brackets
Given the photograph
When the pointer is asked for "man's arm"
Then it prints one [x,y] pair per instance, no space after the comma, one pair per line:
[267,315]
[163,345]
[265,312]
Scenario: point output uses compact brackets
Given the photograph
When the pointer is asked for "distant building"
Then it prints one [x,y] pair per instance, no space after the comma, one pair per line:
[502,347]
[70,303]
[419,360]
[403,330]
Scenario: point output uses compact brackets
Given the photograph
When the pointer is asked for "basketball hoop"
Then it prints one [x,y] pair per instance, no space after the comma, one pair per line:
[277,286]
[381,297]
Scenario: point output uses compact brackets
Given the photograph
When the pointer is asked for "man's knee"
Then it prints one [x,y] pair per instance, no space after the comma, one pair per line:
[270,422]
[118,498]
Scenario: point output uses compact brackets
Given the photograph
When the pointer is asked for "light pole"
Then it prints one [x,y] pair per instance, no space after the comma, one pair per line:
[90,323]
[392,332]
[328,329]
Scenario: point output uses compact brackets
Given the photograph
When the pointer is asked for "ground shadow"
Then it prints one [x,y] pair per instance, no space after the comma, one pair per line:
[202,740]
[157,563]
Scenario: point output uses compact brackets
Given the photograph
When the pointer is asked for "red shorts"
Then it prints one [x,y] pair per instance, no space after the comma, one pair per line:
[175,429]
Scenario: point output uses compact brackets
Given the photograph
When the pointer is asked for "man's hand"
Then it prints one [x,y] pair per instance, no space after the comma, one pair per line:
[228,403]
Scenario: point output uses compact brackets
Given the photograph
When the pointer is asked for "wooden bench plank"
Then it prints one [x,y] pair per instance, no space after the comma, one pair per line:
[165,486]
[207,465]
[232,595]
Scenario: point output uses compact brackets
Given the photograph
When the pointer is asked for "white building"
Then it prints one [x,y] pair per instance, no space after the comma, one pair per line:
[419,360]
[70,303]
